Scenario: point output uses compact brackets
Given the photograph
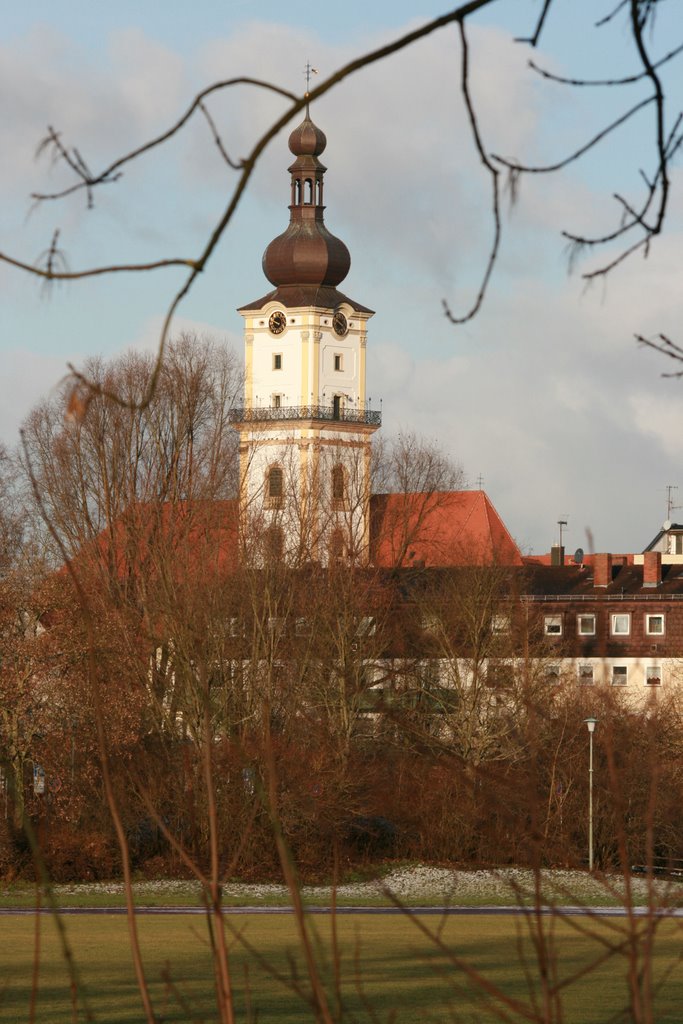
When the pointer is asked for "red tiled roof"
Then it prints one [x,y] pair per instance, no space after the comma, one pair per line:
[187,537]
[442,528]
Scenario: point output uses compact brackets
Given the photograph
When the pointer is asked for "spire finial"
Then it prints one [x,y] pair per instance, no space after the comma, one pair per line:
[308,71]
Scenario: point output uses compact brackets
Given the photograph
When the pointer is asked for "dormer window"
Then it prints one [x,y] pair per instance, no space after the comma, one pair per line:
[676,544]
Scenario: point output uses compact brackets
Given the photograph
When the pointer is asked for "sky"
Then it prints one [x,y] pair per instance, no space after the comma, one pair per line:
[545,396]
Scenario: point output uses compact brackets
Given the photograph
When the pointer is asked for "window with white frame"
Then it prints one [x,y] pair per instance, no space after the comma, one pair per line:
[653,675]
[552,625]
[586,673]
[500,675]
[500,623]
[585,625]
[621,624]
[553,673]
[276,401]
[338,361]
[619,675]
[654,625]
[277,360]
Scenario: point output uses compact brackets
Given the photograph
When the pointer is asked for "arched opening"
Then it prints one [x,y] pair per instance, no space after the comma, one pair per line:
[319,200]
[337,547]
[296,199]
[273,544]
[338,484]
[308,192]
[275,486]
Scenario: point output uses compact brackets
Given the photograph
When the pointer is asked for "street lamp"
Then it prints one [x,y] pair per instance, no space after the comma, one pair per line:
[591,723]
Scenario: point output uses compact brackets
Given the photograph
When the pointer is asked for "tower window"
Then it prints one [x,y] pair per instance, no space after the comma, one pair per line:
[336,407]
[273,544]
[277,360]
[336,546]
[338,362]
[338,483]
[308,192]
[275,483]
[276,401]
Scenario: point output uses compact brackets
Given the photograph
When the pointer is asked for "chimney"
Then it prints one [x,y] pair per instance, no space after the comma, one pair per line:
[557,554]
[602,570]
[652,569]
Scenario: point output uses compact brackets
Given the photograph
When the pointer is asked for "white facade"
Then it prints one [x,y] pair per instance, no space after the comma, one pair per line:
[305,417]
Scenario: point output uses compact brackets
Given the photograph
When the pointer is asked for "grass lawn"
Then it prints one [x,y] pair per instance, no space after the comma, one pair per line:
[385,963]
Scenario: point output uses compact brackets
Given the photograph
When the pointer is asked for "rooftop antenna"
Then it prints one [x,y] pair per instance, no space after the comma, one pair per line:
[670,488]
[308,71]
[480,483]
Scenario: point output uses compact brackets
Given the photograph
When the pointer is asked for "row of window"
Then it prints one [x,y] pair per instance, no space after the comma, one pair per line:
[586,624]
[620,624]
[275,484]
[619,674]
[273,545]
[277,402]
[502,674]
[278,361]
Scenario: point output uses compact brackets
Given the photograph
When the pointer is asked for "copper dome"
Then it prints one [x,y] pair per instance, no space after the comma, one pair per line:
[306,253]
[307,139]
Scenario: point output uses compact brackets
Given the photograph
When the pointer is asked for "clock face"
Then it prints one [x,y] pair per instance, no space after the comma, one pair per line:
[277,322]
[340,325]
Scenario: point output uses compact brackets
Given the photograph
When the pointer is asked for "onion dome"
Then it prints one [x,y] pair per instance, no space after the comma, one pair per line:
[306,253]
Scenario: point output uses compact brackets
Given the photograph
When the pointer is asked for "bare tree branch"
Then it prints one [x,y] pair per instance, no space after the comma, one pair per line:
[495,188]
[667,347]
[533,40]
[629,80]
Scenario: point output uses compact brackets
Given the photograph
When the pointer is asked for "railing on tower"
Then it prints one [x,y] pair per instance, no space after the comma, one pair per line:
[327,413]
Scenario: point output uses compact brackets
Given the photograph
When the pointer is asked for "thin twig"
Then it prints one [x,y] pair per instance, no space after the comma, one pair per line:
[495,188]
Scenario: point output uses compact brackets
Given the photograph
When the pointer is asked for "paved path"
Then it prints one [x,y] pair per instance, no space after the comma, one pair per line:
[344,911]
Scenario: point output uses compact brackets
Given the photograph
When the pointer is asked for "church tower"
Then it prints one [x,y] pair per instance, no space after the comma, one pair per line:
[305,426]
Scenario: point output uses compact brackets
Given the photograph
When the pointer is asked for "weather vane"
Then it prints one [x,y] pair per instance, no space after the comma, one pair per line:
[308,72]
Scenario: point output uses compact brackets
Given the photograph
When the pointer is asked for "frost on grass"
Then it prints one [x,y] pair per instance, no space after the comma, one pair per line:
[420,884]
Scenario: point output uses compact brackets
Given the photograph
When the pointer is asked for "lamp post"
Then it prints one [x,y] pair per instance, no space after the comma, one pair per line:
[591,723]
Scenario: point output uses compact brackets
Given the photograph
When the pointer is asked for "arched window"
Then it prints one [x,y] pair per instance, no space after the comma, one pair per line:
[337,546]
[308,191]
[275,484]
[273,544]
[297,192]
[338,488]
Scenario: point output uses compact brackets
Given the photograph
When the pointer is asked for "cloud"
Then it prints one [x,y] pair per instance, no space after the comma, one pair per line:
[27,377]
[545,393]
